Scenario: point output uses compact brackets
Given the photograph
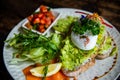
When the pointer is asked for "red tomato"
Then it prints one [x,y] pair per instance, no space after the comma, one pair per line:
[35,15]
[36,20]
[46,26]
[41,28]
[28,25]
[43,8]
[30,18]
[42,21]
[50,15]
[48,21]
[40,15]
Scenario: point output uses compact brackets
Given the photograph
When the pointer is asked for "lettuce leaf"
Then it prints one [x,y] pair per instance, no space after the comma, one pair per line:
[64,24]
[33,47]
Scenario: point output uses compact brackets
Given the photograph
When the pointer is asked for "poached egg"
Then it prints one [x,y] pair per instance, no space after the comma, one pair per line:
[84,42]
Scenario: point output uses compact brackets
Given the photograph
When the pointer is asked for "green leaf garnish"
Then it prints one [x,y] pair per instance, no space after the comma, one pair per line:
[84,25]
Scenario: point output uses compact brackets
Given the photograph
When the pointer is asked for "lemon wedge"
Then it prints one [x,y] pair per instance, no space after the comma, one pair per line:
[52,69]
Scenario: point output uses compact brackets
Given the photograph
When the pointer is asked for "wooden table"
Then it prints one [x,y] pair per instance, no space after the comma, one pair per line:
[12,12]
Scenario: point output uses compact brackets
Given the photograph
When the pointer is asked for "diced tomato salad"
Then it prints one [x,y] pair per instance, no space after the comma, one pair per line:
[41,20]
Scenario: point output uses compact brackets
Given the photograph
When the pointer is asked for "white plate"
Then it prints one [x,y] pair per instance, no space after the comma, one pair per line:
[101,67]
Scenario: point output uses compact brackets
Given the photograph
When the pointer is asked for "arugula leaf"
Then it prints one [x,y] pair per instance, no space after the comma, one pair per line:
[35,47]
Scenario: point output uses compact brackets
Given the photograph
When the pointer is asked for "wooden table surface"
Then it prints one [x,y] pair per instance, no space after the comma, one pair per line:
[12,12]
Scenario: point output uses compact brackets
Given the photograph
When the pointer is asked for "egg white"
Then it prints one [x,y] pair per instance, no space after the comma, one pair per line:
[80,42]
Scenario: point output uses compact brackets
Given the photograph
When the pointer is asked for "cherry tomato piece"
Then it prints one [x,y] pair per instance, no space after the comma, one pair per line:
[36,20]
[50,15]
[46,26]
[40,15]
[43,9]
[42,21]
[28,25]
[41,28]
[35,15]
[30,18]
[48,21]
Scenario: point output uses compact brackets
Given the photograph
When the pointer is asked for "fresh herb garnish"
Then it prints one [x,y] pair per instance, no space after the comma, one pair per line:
[84,25]
[45,70]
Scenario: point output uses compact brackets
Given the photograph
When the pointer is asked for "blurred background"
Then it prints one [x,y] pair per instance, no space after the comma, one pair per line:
[13,11]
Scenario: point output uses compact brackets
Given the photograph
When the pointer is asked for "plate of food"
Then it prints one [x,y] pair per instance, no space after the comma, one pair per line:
[79,46]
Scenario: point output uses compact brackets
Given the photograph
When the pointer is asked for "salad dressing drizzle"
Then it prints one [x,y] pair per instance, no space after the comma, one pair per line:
[114,62]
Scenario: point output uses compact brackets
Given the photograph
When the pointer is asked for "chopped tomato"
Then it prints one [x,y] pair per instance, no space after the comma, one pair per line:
[40,15]
[52,18]
[28,25]
[50,15]
[30,18]
[46,26]
[35,15]
[41,28]
[42,21]
[43,8]
[36,20]
[48,21]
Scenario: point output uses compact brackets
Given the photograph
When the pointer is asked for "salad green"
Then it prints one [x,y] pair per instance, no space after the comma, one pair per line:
[64,24]
[35,47]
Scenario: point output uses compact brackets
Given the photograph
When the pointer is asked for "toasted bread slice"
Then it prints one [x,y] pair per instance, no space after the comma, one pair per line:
[106,53]
[80,70]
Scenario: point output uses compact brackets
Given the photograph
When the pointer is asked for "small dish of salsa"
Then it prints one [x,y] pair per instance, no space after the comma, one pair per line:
[42,20]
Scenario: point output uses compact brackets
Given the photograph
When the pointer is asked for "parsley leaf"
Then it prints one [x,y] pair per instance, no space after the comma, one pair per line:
[84,25]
